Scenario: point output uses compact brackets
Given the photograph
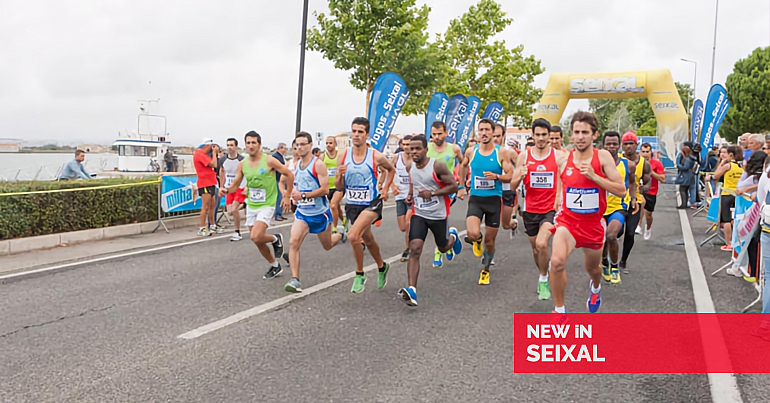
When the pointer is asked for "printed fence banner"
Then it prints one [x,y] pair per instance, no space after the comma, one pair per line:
[180,193]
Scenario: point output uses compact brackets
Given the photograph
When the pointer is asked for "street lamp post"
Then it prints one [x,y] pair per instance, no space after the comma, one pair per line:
[694,80]
[301,68]
[714,48]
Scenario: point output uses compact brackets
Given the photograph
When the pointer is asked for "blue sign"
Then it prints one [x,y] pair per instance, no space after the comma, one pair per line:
[180,193]
[464,130]
[458,106]
[653,140]
[437,111]
[388,97]
[494,111]
[697,120]
[716,106]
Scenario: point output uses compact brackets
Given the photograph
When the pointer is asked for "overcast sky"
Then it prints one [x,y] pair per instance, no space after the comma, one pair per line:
[73,71]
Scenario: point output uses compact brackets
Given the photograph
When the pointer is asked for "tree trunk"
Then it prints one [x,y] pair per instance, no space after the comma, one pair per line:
[369,89]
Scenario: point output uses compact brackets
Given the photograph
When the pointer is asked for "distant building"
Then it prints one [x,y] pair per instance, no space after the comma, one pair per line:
[10,146]
[94,148]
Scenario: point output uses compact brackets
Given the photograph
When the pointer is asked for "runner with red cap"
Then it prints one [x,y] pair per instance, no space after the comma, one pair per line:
[658,174]
[642,174]
[586,174]
[538,168]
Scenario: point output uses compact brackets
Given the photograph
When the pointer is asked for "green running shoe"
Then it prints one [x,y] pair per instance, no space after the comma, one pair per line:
[382,276]
[359,282]
[543,292]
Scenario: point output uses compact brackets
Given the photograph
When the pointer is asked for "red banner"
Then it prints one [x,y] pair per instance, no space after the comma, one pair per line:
[641,343]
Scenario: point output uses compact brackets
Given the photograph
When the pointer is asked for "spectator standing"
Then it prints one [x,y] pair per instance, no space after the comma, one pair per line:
[279,154]
[74,169]
[168,158]
[686,177]
[748,185]
[763,196]
[207,185]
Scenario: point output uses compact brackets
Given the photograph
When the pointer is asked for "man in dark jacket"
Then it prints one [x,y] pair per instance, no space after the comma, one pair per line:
[686,175]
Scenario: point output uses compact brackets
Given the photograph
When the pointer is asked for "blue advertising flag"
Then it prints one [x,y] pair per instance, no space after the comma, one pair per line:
[388,97]
[180,193]
[697,120]
[494,111]
[467,124]
[437,111]
[716,108]
[458,106]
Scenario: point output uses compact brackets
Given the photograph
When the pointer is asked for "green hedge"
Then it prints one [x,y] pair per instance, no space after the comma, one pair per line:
[49,213]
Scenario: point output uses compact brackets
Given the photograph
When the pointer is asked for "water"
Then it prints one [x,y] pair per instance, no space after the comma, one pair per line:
[46,166]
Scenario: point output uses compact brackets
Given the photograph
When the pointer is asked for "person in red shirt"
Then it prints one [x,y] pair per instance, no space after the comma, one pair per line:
[658,175]
[207,185]
[538,169]
[586,175]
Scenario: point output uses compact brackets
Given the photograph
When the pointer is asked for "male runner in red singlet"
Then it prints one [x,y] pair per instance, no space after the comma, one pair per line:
[586,174]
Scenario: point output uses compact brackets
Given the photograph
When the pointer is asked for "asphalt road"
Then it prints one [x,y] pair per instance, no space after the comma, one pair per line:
[109,331]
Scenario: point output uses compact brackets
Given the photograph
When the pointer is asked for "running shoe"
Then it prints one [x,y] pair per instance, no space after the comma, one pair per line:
[219,229]
[594,299]
[437,259]
[478,248]
[750,279]
[457,247]
[543,291]
[235,237]
[204,232]
[408,295]
[286,258]
[614,275]
[647,234]
[606,272]
[293,286]
[449,254]
[345,223]
[382,276]
[638,231]
[484,277]
[623,267]
[273,272]
[405,255]
[377,223]
[726,248]
[734,271]
[278,245]
[359,281]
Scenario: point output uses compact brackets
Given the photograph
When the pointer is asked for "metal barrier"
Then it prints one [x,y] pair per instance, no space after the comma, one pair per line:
[178,197]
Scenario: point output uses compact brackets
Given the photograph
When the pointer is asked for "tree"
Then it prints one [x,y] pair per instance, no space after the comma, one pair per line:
[488,70]
[747,89]
[371,37]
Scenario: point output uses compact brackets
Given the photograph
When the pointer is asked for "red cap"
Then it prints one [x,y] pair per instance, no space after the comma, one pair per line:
[629,136]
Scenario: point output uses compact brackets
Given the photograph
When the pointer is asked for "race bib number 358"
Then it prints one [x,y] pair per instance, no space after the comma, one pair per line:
[541,180]
[582,201]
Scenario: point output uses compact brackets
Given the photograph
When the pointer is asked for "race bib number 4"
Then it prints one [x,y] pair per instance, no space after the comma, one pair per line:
[358,195]
[541,180]
[257,195]
[582,201]
[482,183]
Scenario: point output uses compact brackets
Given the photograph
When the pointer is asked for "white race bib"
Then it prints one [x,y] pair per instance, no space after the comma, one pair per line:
[332,172]
[257,195]
[482,183]
[582,201]
[307,203]
[427,203]
[229,179]
[541,180]
[403,179]
[358,195]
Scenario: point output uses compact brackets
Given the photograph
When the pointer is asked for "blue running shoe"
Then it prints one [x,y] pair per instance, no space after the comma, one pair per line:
[457,247]
[408,295]
[437,258]
[594,299]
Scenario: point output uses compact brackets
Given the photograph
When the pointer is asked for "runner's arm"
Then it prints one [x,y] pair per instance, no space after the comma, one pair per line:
[507,167]
[323,178]
[519,171]
[285,172]
[382,161]
[661,177]
[646,177]
[459,157]
[633,183]
[222,175]
[339,180]
[445,177]
[613,183]
[394,187]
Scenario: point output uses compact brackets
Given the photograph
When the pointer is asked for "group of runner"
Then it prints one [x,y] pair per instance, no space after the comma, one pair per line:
[585,198]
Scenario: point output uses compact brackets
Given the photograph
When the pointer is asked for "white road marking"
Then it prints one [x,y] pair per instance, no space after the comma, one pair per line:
[127,254]
[724,388]
[211,327]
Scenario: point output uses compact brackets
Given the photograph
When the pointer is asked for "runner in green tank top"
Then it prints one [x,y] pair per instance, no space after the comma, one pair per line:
[452,156]
[331,157]
[262,193]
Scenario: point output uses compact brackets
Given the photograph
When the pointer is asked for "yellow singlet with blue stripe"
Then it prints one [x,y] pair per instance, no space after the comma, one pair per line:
[615,203]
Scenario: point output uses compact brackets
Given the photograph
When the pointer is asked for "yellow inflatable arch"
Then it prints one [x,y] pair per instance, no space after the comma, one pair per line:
[656,85]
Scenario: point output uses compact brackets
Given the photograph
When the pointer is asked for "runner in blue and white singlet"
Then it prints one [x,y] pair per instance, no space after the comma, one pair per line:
[401,183]
[313,216]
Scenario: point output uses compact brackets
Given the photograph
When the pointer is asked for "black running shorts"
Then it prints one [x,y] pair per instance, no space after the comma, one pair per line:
[418,229]
[509,198]
[649,202]
[533,221]
[352,211]
[487,208]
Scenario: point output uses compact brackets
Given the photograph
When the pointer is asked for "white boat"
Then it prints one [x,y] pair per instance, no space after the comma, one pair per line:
[143,152]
